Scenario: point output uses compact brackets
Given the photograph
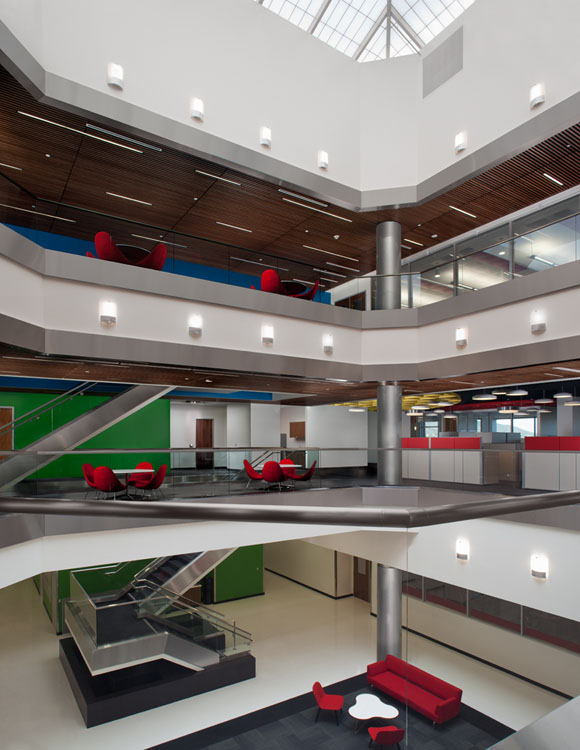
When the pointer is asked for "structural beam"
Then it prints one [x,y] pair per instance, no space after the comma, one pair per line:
[389,611]
[318,17]
[372,31]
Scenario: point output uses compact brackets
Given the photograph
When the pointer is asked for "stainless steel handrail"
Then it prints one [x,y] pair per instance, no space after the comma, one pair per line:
[371,517]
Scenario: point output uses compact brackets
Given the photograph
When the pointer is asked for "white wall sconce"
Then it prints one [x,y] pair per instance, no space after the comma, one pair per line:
[538,321]
[195,325]
[462,549]
[460,142]
[196,109]
[115,75]
[537,95]
[108,313]
[460,337]
[267,334]
[328,343]
[265,136]
[539,566]
[322,160]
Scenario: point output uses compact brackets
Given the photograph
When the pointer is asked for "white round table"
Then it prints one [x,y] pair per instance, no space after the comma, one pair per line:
[368,706]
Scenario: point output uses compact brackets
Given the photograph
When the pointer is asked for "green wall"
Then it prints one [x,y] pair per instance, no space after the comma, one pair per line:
[240,575]
[146,428]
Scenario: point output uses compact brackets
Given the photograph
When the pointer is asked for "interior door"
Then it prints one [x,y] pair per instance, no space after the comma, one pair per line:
[204,439]
[6,438]
[361,583]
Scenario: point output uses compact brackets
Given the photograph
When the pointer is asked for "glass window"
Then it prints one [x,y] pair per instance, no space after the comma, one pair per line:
[559,631]
[412,585]
[496,611]
[431,428]
[446,595]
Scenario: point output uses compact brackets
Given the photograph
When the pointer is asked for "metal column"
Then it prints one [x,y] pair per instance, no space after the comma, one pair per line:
[388,295]
[389,452]
[389,611]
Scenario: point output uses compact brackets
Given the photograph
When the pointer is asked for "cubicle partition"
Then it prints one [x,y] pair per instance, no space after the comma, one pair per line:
[446,459]
[551,463]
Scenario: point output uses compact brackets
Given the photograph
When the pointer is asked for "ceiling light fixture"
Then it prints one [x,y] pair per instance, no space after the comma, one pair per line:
[544,411]
[10,166]
[332,273]
[413,242]
[255,263]
[543,260]
[38,213]
[303,281]
[322,159]
[115,75]
[499,393]
[566,369]
[233,226]
[302,198]
[80,132]
[337,255]
[127,198]
[154,239]
[217,177]
[517,392]
[543,401]
[122,137]
[196,109]
[549,177]
[347,268]
[507,410]
[461,211]
[332,281]
[356,409]
[318,210]
[501,252]
[484,397]
[466,286]
[562,394]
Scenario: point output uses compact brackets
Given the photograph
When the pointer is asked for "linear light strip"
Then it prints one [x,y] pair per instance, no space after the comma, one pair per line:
[333,281]
[303,281]
[413,242]
[337,265]
[319,210]
[461,211]
[10,166]
[127,198]
[153,239]
[328,252]
[543,260]
[123,137]
[549,177]
[302,197]
[332,273]
[80,132]
[38,213]
[217,177]
[255,263]
[233,226]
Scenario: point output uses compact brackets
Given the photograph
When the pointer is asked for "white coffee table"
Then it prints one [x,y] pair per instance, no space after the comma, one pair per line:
[368,706]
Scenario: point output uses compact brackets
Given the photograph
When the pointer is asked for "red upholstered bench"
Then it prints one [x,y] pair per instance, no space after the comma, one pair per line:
[430,696]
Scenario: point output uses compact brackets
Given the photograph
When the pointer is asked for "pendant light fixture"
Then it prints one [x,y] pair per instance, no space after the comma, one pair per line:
[517,392]
[508,410]
[562,394]
[484,397]
[499,392]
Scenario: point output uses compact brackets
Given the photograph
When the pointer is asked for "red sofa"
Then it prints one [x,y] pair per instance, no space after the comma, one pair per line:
[430,696]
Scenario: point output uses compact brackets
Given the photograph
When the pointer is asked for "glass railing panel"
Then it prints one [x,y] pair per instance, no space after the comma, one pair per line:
[485,268]
[434,285]
[545,248]
[83,605]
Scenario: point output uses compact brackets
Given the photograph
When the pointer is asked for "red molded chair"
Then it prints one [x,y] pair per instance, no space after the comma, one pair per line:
[386,736]
[327,702]
[309,293]
[155,259]
[135,478]
[89,475]
[307,476]
[107,482]
[155,482]
[270,282]
[251,472]
[289,472]
[272,473]
[108,250]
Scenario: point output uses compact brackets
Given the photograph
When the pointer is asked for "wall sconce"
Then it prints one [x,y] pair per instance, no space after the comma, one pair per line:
[265,136]
[539,566]
[108,313]
[462,549]
[538,321]
[328,343]
[196,109]
[460,337]
[115,75]
[267,334]
[323,160]
[195,325]
[537,95]
[460,142]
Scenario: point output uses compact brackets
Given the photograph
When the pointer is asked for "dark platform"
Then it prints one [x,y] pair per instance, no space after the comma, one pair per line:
[131,690]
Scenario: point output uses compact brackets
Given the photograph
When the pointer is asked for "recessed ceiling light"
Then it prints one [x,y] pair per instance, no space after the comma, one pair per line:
[413,242]
[332,273]
[434,236]
[217,177]
[255,263]
[233,226]
[549,177]
[303,198]
[566,369]
[461,211]
[126,198]
[328,252]
[10,166]
[333,281]
[153,239]
[319,210]
[80,132]
[207,380]
[38,213]
[347,268]
[543,260]
[501,252]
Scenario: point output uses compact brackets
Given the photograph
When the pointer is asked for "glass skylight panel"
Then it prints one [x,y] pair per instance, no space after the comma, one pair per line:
[346,23]
[428,18]
[376,49]
[299,12]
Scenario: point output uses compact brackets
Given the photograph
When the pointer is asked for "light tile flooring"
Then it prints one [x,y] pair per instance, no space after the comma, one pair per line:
[300,636]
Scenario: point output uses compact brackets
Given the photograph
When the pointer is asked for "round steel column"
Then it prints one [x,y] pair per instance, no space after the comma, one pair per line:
[388,295]
[389,453]
[389,611]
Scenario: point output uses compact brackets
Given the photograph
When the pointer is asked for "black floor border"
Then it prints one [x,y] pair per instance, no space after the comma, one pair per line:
[306,586]
[559,693]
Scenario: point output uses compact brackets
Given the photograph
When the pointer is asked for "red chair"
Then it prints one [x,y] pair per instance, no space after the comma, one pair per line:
[273,474]
[155,482]
[107,250]
[253,475]
[307,476]
[327,702]
[289,472]
[309,293]
[386,736]
[89,475]
[135,478]
[271,282]
[155,259]
[107,482]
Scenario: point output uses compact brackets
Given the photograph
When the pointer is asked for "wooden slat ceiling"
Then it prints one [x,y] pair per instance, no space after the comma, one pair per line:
[67,167]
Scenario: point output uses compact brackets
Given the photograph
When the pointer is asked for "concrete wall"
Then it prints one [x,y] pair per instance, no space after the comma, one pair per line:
[335,427]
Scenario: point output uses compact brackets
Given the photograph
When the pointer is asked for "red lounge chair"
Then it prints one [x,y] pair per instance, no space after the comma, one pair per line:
[107,482]
[271,282]
[155,482]
[89,475]
[289,472]
[108,250]
[273,474]
[253,475]
[386,736]
[135,478]
[307,476]
[327,702]
[156,258]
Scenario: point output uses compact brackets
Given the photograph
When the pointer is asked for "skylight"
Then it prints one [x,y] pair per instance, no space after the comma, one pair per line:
[369,30]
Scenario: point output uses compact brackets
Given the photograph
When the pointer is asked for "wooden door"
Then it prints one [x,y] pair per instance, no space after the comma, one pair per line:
[361,582]
[204,439]
[6,438]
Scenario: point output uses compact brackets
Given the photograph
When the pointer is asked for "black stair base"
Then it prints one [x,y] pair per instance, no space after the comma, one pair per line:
[129,691]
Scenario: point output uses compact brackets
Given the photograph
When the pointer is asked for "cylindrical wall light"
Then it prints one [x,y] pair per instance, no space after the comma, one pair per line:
[115,75]
[267,334]
[460,142]
[539,566]
[196,109]
[462,549]
[460,337]
[322,160]
[108,313]
[265,136]
[328,343]
[538,321]
[537,95]
[195,325]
